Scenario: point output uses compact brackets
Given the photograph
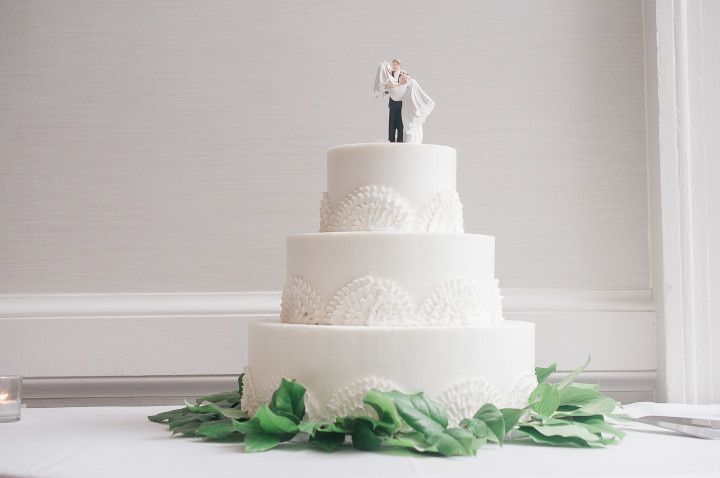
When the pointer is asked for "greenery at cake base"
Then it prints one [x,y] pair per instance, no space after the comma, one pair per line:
[566,414]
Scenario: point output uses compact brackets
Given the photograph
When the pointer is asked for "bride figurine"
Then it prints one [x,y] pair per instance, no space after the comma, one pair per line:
[409,105]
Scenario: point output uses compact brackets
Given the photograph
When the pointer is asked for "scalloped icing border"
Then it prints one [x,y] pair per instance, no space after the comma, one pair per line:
[379,208]
[461,399]
[370,300]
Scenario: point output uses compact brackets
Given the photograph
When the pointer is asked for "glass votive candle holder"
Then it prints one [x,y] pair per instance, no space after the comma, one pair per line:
[10,398]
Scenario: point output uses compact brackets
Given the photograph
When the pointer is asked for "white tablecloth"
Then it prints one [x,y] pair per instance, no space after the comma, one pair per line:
[107,442]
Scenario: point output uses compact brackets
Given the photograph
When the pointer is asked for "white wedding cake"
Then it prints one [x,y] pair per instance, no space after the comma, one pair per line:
[391,294]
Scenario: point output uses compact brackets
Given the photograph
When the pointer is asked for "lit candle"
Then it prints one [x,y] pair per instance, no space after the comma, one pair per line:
[10,404]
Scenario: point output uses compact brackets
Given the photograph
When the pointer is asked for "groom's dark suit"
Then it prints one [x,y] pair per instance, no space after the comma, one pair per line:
[395,123]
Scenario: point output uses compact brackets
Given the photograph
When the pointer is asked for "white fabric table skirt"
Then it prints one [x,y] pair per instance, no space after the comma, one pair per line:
[112,442]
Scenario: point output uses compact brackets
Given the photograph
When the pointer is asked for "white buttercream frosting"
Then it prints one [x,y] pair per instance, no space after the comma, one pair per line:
[417,173]
[462,368]
[354,278]
[379,208]
[376,301]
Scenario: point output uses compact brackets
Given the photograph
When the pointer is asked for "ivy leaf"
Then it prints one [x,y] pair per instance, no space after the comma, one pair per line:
[597,424]
[494,421]
[289,400]
[568,429]
[218,430]
[552,440]
[203,408]
[344,426]
[545,399]
[601,405]
[478,427]
[328,441]
[386,408]
[413,441]
[273,423]
[421,413]
[364,438]
[255,442]
[542,374]
[265,430]
[511,417]
[234,413]
[170,415]
[573,375]
[181,425]
[457,442]
[230,397]
[429,420]
[577,395]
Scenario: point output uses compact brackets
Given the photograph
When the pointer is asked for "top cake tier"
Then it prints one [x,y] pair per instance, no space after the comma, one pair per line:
[391,187]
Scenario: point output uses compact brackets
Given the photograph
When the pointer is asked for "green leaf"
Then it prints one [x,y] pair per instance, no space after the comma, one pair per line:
[328,441]
[273,423]
[494,421]
[423,404]
[265,429]
[553,440]
[429,420]
[601,405]
[545,399]
[230,397]
[567,429]
[457,442]
[542,374]
[478,427]
[255,442]
[573,375]
[247,427]
[234,413]
[511,417]
[170,415]
[364,438]
[311,428]
[577,395]
[289,400]
[420,413]
[597,424]
[218,430]
[195,418]
[413,441]
[203,408]
[384,405]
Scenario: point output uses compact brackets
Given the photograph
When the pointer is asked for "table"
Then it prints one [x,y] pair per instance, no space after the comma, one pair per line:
[106,442]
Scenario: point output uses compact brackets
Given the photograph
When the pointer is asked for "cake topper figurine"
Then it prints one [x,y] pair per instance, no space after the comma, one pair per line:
[409,105]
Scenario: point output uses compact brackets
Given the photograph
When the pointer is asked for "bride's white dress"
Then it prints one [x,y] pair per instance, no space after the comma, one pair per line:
[416,106]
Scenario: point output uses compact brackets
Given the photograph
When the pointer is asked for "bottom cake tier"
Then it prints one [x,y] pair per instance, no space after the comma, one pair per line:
[462,368]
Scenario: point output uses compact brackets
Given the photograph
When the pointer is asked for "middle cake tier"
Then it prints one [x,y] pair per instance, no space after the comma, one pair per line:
[386,278]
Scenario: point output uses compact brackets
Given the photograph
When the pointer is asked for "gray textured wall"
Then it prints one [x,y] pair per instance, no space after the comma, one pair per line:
[171,146]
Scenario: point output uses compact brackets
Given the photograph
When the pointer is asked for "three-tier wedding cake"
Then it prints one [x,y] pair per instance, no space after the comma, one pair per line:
[391,294]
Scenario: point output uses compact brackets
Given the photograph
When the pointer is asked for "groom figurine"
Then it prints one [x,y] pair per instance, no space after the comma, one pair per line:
[395,124]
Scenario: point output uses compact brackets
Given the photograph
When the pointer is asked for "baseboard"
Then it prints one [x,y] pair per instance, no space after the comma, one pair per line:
[627,386]
[141,347]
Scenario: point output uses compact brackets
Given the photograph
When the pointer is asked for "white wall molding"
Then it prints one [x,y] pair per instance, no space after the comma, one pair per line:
[683,64]
[626,386]
[140,305]
[262,303]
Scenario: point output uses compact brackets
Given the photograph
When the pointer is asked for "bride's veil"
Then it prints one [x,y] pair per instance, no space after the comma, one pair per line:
[382,78]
